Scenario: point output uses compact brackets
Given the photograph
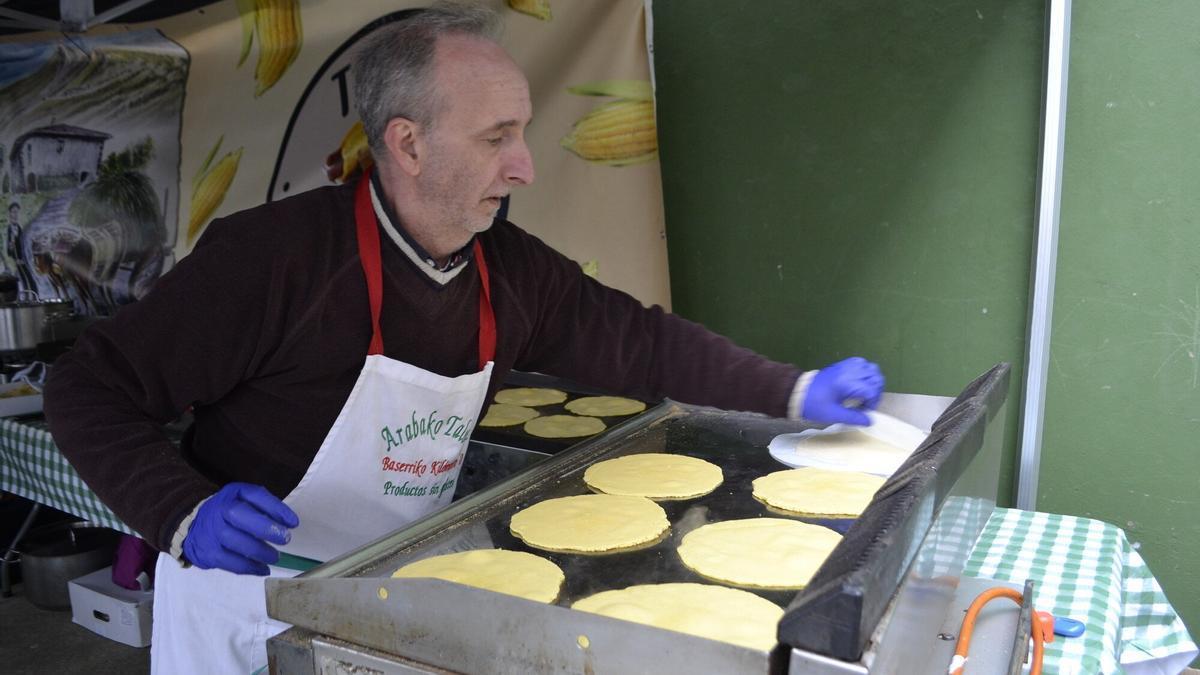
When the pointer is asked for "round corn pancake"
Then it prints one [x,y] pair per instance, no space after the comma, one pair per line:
[714,612]
[513,572]
[605,406]
[654,475]
[590,523]
[530,396]
[563,426]
[819,492]
[506,415]
[768,553]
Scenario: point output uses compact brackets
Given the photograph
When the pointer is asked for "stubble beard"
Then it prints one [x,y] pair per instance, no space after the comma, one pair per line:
[447,193]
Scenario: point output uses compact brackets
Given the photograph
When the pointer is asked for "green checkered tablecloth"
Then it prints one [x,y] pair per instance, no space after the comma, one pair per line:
[32,466]
[1085,569]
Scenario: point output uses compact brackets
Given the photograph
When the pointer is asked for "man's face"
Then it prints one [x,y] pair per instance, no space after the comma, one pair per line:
[475,153]
[14,212]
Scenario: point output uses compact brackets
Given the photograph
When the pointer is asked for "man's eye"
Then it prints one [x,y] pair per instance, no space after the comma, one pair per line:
[495,141]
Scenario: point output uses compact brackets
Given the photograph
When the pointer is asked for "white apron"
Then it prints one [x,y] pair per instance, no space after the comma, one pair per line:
[392,456]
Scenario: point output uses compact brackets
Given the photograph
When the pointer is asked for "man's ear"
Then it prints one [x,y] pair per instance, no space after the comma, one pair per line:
[400,136]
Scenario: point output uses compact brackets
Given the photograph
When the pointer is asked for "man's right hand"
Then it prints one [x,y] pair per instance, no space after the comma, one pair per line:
[232,529]
[841,392]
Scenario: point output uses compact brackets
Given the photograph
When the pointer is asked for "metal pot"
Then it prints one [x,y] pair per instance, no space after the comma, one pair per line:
[54,555]
[30,320]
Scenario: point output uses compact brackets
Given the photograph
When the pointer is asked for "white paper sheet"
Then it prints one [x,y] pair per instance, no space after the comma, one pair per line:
[901,439]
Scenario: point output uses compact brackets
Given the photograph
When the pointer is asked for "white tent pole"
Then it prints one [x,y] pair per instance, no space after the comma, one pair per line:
[76,15]
[1049,198]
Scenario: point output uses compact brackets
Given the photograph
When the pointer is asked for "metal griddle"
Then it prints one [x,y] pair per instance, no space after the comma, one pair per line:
[515,437]
[732,441]
[349,611]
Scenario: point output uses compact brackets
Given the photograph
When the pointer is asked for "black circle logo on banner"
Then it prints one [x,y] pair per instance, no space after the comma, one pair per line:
[321,119]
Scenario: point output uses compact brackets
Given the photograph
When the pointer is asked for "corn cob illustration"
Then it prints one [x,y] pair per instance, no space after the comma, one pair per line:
[280,36]
[209,188]
[536,8]
[617,134]
[277,23]
[352,156]
[245,10]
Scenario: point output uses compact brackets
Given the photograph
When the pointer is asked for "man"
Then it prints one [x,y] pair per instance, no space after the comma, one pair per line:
[263,328]
[15,247]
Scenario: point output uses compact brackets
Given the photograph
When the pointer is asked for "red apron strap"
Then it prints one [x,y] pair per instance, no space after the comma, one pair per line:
[487,318]
[367,225]
[368,254]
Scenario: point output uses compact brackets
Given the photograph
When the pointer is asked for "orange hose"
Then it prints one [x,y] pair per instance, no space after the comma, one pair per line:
[968,626]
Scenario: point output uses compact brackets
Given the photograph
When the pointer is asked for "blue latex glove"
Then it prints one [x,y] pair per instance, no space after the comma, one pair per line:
[855,381]
[232,529]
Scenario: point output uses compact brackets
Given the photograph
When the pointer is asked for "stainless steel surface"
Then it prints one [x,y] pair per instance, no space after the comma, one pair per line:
[336,657]
[26,323]
[291,652]
[807,663]
[904,642]
[54,555]
[1049,198]
[912,627]
[470,630]
[1019,651]
[20,327]
[995,635]
[995,628]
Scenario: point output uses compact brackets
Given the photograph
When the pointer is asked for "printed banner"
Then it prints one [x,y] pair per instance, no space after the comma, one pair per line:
[90,141]
[120,145]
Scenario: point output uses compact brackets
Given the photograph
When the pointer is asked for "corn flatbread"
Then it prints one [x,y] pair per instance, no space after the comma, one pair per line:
[590,523]
[655,475]
[605,406]
[563,426]
[513,572]
[530,396]
[714,612]
[507,415]
[769,553]
[812,491]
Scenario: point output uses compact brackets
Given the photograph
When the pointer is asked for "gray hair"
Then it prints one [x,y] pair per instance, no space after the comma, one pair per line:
[392,68]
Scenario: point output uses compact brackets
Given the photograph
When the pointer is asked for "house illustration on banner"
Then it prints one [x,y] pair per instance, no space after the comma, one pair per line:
[55,157]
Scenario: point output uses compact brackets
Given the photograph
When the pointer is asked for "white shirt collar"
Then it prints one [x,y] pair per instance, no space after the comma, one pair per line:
[426,266]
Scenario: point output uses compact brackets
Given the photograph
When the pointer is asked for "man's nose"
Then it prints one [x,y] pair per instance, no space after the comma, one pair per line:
[518,170]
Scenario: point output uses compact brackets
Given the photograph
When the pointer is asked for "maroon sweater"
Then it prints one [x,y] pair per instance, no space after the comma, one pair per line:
[264,327]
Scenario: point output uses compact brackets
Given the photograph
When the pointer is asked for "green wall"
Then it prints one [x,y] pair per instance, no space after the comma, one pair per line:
[847,177]
[858,177]
[1123,401]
